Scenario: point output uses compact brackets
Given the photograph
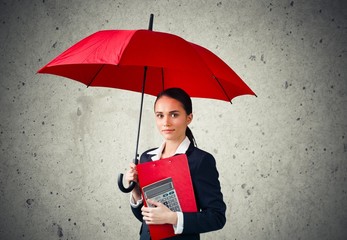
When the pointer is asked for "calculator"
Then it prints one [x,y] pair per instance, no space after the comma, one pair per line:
[163,191]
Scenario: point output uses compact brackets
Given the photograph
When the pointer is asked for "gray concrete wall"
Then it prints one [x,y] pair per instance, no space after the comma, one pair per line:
[281,156]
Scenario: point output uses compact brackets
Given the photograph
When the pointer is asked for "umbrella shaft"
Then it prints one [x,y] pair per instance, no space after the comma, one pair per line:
[140,116]
[150,27]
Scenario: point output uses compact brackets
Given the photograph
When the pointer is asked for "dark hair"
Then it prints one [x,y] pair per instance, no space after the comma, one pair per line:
[183,97]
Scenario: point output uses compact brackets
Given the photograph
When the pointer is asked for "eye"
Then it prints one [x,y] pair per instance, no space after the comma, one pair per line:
[174,115]
[159,115]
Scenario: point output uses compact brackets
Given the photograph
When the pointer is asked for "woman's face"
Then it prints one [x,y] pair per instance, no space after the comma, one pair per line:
[171,118]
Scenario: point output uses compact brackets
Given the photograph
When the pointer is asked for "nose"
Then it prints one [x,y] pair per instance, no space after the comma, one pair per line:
[166,121]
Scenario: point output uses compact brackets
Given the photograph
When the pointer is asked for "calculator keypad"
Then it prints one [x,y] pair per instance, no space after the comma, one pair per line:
[169,200]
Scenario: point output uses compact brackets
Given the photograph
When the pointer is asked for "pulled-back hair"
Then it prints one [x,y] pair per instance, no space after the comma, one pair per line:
[183,97]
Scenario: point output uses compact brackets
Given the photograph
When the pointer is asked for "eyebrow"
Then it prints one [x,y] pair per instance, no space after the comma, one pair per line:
[174,111]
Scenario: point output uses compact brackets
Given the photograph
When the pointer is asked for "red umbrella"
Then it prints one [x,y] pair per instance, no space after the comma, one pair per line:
[147,61]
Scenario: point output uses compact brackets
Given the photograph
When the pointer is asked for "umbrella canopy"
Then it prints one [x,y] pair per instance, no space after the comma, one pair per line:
[148,62]
[116,59]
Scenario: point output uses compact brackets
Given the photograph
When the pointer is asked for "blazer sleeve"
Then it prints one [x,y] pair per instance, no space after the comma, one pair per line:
[209,198]
[137,210]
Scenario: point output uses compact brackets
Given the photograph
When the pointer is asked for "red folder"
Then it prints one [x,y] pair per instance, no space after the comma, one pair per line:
[177,168]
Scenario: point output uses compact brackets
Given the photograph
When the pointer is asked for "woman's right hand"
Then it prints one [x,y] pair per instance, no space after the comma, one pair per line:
[131,175]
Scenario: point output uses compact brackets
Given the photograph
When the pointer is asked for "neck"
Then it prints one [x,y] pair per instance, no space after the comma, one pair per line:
[170,148]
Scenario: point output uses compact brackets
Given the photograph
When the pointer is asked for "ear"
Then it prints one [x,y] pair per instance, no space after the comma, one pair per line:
[189,118]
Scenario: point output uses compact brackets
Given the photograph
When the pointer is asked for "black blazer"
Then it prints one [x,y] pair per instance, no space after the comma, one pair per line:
[209,198]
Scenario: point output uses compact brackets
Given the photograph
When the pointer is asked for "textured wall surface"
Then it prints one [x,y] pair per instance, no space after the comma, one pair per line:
[281,156]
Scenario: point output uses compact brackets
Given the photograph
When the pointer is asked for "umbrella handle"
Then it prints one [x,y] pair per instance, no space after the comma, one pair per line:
[121,186]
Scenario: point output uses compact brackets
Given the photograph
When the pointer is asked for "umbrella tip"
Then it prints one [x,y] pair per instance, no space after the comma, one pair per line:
[151,17]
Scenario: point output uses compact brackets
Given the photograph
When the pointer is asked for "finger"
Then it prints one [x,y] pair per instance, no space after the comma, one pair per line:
[153,202]
[146,214]
[132,171]
[132,166]
[148,221]
[146,209]
[131,177]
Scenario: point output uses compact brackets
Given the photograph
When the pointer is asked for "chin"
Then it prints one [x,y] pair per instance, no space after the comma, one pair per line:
[169,138]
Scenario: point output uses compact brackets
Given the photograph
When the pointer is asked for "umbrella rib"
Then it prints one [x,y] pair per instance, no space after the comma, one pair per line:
[222,88]
[96,74]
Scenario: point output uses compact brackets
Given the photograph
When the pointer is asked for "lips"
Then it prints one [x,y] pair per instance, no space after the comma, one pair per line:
[168,130]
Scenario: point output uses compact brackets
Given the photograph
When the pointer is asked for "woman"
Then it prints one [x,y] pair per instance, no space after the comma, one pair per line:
[173,111]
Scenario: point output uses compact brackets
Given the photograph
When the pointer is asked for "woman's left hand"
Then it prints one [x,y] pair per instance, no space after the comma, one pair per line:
[159,214]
